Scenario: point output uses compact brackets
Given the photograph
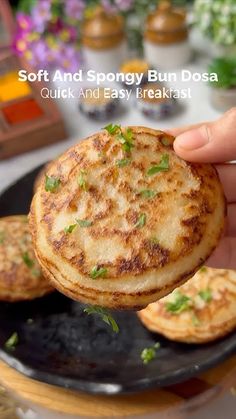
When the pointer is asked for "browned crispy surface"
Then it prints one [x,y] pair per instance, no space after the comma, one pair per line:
[142,263]
[209,315]
[20,274]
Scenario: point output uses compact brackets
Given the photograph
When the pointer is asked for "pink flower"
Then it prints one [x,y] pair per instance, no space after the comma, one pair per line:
[24,22]
[74,9]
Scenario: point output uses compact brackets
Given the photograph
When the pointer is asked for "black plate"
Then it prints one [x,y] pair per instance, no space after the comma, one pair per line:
[64,346]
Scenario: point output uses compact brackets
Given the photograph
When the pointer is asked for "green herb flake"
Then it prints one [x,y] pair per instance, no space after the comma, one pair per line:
[52,184]
[112,129]
[82,180]
[27,260]
[12,341]
[2,237]
[147,193]
[84,223]
[163,166]
[141,221]
[148,354]
[105,316]
[126,140]
[195,320]
[36,272]
[123,162]
[203,269]
[70,228]
[97,272]
[154,240]
[165,141]
[206,295]
[179,304]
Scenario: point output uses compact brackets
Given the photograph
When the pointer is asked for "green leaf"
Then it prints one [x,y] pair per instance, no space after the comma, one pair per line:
[112,129]
[2,237]
[97,272]
[148,354]
[70,228]
[84,223]
[147,193]
[123,162]
[163,166]
[27,260]
[82,180]
[203,269]
[225,68]
[12,341]
[206,295]
[52,184]
[105,316]
[141,221]
[179,304]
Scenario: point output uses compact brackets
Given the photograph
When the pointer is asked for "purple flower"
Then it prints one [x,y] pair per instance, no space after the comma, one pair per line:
[41,15]
[24,22]
[20,43]
[74,9]
[69,58]
[108,6]
[124,5]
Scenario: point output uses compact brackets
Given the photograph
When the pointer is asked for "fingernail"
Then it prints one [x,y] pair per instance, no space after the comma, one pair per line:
[193,139]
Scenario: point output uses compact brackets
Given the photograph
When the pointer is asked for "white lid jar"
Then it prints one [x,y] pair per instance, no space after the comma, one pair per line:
[104,42]
[166,43]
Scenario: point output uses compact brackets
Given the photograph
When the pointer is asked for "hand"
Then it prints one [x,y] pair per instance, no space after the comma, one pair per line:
[215,142]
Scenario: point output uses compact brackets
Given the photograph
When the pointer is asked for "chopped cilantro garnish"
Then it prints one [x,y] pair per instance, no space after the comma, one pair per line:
[51,184]
[105,316]
[154,240]
[82,180]
[36,272]
[81,223]
[148,193]
[165,141]
[141,221]
[12,341]
[148,354]
[179,304]
[125,137]
[126,140]
[70,228]
[206,295]
[123,162]
[27,260]
[163,166]
[2,237]
[97,272]
[84,223]
[113,129]
[195,320]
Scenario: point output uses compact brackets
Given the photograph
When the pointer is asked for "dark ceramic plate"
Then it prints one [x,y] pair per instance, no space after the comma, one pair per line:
[64,346]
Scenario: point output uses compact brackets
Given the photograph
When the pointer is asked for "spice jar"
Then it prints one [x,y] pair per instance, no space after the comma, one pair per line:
[166,42]
[103,39]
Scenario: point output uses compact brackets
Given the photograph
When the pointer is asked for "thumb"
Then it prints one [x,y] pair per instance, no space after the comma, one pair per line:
[212,142]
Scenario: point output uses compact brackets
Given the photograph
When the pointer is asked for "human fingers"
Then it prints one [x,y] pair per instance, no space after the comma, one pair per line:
[211,142]
[227,174]
[224,257]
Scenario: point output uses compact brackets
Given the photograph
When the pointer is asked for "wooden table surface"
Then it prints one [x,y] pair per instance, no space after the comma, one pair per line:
[71,402]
